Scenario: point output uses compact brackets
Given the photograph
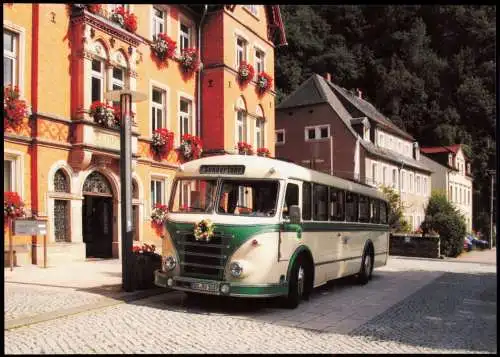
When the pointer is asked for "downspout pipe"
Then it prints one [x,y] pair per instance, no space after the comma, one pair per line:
[198,107]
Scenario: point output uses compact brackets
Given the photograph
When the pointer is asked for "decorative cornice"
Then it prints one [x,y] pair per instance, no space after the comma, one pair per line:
[17,138]
[52,117]
[107,26]
[158,164]
[115,154]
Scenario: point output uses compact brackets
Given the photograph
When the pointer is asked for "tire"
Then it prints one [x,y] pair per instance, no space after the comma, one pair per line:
[297,286]
[365,273]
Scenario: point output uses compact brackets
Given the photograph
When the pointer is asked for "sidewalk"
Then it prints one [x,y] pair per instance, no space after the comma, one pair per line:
[486,256]
[34,294]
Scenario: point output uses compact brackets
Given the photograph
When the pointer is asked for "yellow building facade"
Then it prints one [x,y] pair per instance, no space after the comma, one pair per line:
[63,58]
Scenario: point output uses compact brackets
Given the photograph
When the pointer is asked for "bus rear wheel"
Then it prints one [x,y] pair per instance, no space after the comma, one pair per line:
[297,288]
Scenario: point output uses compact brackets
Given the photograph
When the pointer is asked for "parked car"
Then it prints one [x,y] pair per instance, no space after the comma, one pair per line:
[467,244]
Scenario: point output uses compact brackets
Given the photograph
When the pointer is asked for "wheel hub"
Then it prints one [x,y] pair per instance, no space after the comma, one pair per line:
[300,281]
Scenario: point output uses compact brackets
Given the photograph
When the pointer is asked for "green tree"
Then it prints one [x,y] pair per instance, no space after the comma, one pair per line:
[443,218]
[396,221]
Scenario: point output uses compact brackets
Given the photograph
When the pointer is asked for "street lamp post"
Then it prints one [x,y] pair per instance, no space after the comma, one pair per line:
[492,174]
[126,97]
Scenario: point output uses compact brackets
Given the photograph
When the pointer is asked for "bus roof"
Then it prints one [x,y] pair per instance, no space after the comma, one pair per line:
[262,167]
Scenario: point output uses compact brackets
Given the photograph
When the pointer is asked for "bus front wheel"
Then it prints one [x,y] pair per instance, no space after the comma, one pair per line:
[297,288]
[365,273]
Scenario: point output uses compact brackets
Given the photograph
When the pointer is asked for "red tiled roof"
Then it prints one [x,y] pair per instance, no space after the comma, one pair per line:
[438,149]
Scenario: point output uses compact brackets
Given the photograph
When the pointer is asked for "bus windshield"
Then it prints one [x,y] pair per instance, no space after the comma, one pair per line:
[193,196]
[248,198]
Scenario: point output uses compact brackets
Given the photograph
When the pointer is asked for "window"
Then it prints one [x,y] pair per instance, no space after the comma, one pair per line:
[320,202]
[10,59]
[424,189]
[97,75]
[384,175]
[157,192]
[364,209]
[383,212]
[450,193]
[261,197]
[417,184]
[380,139]
[280,136]
[410,180]
[259,61]
[158,108]
[403,174]
[291,198]
[193,195]
[185,117]
[306,201]
[375,209]
[114,6]
[317,132]
[456,194]
[374,173]
[241,126]
[351,207]
[241,51]
[336,204]
[366,133]
[394,178]
[252,8]
[460,196]
[8,173]
[158,22]
[184,37]
[118,81]
[259,133]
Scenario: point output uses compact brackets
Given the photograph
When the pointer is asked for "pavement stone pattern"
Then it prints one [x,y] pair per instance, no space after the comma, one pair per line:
[397,312]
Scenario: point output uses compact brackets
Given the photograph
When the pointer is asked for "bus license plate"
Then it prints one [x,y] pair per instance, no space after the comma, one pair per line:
[205,287]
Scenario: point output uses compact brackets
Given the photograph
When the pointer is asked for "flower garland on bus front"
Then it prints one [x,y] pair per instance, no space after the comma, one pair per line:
[204,230]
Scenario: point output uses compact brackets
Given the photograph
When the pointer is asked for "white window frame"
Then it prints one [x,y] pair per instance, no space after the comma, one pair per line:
[166,104]
[410,180]
[98,75]
[394,177]
[417,184]
[381,139]
[317,132]
[252,9]
[366,133]
[156,21]
[276,136]
[190,98]
[17,170]
[402,180]
[165,180]
[374,173]
[21,54]
[128,7]
[384,175]
[118,82]
[157,106]
[243,124]
[190,36]
[240,35]
[182,116]
[13,55]
[260,129]
[262,60]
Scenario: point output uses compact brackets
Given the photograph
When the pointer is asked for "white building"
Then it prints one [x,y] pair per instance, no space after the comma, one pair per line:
[452,175]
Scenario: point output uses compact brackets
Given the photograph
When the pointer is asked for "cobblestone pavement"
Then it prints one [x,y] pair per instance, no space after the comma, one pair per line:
[410,306]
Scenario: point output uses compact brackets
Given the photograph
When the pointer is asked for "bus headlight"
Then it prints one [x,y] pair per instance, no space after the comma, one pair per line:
[236,269]
[168,263]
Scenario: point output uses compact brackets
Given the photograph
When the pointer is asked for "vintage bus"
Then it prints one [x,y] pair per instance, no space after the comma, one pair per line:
[250,226]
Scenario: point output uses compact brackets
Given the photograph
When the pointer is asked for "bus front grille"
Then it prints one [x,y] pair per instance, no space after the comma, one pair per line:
[201,259]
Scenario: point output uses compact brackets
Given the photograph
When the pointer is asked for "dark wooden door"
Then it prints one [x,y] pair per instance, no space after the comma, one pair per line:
[98,226]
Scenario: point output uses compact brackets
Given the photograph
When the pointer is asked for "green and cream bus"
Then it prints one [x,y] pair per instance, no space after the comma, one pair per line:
[250,226]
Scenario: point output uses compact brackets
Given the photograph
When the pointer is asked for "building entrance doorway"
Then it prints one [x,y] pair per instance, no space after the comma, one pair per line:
[97,217]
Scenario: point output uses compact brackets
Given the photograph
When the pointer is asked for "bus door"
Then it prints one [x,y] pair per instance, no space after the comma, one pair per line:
[290,234]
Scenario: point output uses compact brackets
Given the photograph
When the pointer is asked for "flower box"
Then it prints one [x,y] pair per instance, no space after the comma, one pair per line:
[145,262]
[190,148]
[263,152]
[163,141]
[13,206]
[245,73]
[103,114]
[189,60]
[125,19]
[159,214]
[244,148]
[163,49]
[264,82]
[15,109]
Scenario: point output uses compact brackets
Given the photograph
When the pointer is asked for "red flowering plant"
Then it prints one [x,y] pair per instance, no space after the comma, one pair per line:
[13,206]
[244,148]
[189,60]
[245,73]
[163,141]
[103,114]
[159,214]
[15,109]
[143,248]
[118,15]
[163,48]
[94,8]
[130,22]
[264,82]
[263,152]
[118,114]
[190,147]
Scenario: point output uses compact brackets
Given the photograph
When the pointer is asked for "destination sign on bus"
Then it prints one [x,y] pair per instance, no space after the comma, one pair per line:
[222,169]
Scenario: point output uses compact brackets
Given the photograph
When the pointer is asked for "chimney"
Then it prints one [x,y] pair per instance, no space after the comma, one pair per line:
[327,76]
[360,93]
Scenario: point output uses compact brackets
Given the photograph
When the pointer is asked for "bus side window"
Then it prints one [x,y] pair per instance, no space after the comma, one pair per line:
[383,212]
[351,207]
[291,198]
[320,202]
[336,204]
[376,210]
[364,209]
[306,201]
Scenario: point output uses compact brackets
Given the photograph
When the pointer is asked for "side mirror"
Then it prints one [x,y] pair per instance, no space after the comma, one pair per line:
[294,214]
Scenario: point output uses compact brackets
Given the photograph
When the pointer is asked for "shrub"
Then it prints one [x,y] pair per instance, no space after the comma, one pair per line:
[442,217]
[396,221]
